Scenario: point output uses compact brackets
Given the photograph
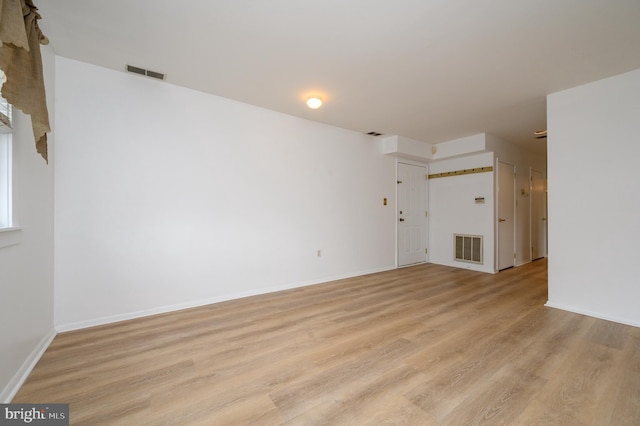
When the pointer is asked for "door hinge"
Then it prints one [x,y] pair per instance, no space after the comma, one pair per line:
[514,255]
[426,251]
[426,213]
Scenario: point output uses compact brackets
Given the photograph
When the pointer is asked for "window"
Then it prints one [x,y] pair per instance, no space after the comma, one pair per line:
[5,163]
[5,180]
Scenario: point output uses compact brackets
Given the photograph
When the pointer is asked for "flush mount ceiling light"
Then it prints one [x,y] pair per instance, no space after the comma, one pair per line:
[314,102]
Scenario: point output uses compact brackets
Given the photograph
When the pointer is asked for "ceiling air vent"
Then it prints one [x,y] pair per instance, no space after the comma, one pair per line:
[468,248]
[142,71]
[374,134]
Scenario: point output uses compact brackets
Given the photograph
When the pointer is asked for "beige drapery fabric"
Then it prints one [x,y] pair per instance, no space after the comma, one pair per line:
[20,39]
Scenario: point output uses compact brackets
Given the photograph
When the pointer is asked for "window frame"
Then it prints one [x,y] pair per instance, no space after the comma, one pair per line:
[6,169]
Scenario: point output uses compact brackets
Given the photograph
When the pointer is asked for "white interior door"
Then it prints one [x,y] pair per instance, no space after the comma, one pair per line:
[506,215]
[538,215]
[412,218]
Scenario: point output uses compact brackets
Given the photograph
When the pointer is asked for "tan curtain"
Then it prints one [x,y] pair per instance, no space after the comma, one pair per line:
[20,39]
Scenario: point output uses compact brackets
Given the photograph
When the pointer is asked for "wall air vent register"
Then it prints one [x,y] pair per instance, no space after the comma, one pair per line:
[468,248]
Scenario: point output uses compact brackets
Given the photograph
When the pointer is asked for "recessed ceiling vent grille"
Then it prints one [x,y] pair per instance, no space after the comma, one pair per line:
[148,73]
[468,248]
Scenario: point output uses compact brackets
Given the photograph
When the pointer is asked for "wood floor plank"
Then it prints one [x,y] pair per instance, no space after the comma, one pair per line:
[499,400]
[632,351]
[397,410]
[577,394]
[334,383]
[626,408]
[357,407]
[424,345]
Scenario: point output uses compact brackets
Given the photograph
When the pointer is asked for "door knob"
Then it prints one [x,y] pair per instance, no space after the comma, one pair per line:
[502,220]
[401,219]
[544,218]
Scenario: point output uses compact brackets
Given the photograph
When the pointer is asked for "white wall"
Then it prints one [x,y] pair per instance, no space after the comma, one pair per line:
[407,149]
[594,202]
[473,144]
[452,209]
[167,197]
[26,255]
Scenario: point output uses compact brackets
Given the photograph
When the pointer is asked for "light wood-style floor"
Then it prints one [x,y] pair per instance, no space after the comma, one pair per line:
[418,346]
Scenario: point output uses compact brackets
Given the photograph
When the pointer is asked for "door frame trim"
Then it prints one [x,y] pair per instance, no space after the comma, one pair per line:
[397,207]
[546,207]
[497,212]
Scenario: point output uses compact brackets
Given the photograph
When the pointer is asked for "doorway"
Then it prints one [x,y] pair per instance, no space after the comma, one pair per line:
[506,215]
[538,215]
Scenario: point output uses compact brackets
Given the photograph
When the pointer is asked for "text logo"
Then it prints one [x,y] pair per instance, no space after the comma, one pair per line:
[34,414]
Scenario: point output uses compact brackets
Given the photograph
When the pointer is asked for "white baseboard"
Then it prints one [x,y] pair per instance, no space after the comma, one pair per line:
[23,372]
[202,302]
[465,265]
[592,314]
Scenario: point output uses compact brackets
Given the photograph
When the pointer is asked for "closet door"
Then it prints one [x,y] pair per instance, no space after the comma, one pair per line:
[538,215]
[506,215]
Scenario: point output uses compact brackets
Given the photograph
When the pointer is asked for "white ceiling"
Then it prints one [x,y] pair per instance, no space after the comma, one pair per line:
[431,70]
